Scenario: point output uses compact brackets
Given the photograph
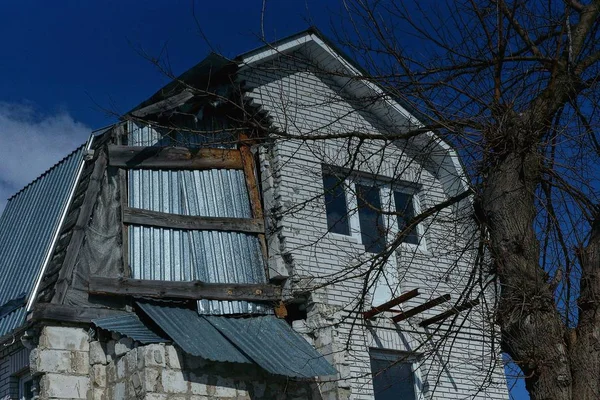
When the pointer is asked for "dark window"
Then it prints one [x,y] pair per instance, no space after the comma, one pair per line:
[393,378]
[406,211]
[335,204]
[372,229]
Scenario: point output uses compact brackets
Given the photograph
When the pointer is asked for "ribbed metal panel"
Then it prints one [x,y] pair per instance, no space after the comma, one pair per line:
[194,334]
[146,135]
[274,345]
[129,325]
[26,230]
[210,256]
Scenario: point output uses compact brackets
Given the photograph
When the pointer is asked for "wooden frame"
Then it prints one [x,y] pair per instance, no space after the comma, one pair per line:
[59,312]
[154,157]
[139,216]
[188,290]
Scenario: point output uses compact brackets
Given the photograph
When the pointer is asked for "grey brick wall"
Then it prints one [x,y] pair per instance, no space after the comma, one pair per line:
[453,365]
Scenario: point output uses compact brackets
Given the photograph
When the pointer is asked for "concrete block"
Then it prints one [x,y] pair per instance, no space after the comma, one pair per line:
[52,361]
[97,353]
[173,381]
[198,384]
[64,386]
[173,357]
[63,338]
[123,345]
[225,388]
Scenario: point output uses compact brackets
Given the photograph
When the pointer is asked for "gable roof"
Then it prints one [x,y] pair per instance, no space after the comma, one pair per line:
[315,46]
[28,232]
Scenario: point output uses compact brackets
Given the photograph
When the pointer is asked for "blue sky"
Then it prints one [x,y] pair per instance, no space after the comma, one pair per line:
[64,64]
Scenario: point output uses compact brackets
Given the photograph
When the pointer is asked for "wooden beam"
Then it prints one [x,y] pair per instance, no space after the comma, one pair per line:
[453,311]
[190,290]
[419,309]
[392,303]
[138,216]
[164,105]
[59,312]
[173,157]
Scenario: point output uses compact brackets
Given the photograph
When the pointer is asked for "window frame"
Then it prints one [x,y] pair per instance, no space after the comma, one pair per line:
[403,357]
[386,193]
[23,380]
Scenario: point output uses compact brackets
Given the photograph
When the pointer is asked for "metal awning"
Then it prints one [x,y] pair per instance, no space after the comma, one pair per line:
[130,325]
[265,340]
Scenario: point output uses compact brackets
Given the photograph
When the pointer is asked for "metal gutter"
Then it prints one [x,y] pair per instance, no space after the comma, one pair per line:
[38,281]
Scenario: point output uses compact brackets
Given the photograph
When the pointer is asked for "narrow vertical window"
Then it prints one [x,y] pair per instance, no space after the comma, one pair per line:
[372,229]
[393,377]
[406,211]
[335,204]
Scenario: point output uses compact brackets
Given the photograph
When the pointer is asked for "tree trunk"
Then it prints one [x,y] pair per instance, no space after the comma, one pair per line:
[532,330]
[585,354]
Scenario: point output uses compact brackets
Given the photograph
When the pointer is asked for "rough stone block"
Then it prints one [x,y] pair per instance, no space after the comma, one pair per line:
[173,357]
[80,362]
[120,365]
[98,376]
[64,386]
[119,391]
[99,394]
[123,345]
[155,396]
[151,380]
[198,397]
[110,351]
[63,338]
[97,353]
[131,359]
[173,381]
[198,384]
[153,355]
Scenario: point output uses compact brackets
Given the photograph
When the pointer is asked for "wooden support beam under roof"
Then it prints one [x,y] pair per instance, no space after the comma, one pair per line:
[164,105]
[453,311]
[189,290]
[138,216]
[59,312]
[137,157]
[419,309]
[392,303]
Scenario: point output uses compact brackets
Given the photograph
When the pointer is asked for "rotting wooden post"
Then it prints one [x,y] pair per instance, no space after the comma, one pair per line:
[253,191]
[419,309]
[453,311]
[392,303]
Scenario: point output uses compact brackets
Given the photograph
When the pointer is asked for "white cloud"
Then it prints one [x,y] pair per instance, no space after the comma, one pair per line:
[31,143]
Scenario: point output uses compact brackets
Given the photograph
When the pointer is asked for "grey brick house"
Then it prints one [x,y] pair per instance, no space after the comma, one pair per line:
[250,231]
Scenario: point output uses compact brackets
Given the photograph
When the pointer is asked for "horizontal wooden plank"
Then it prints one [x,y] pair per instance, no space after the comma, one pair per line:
[192,290]
[419,309]
[164,105]
[173,157]
[392,303]
[59,312]
[176,221]
[453,311]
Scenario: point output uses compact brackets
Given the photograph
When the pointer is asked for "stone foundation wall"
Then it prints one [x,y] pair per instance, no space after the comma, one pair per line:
[69,365]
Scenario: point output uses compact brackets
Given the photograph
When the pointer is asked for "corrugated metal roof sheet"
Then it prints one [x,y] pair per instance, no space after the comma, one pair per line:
[265,340]
[193,334]
[129,325]
[274,345]
[210,256]
[27,226]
